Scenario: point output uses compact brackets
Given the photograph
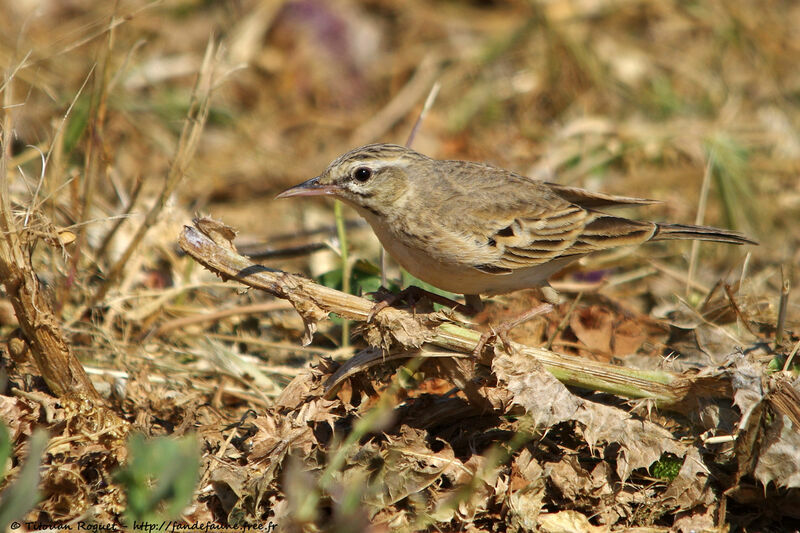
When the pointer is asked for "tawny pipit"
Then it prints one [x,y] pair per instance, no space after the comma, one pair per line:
[472,228]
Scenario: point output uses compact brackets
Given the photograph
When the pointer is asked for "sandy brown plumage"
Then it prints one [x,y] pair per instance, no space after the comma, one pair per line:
[474,228]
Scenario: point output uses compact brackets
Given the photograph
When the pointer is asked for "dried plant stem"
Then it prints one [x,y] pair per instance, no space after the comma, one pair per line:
[406,98]
[341,232]
[220,314]
[790,358]
[699,218]
[134,196]
[314,300]
[783,305]
[94,157]
[564,321]
[422,114]
[59,367]
[434,92]
[190,136]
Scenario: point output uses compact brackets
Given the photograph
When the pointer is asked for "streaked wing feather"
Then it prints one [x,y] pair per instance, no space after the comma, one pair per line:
[533,241]
[607,231]
[519,223]
[580,233]
[595,200]
[494,269]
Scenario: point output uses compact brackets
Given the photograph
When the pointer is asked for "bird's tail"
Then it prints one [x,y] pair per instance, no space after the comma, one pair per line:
[701,233]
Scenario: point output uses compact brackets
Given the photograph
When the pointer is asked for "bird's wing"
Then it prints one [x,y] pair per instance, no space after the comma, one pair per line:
[595,200]
[513,222]
[570,232]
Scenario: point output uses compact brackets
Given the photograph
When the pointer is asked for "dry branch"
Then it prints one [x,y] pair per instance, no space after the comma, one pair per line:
[60,368]
[208,242]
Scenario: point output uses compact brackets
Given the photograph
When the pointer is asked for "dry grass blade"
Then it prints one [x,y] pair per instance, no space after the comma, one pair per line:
[783,304]
[190,137]
[699,218]
[218,315]
[399,106]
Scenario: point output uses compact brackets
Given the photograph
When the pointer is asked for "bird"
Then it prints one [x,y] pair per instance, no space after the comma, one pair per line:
[475,229]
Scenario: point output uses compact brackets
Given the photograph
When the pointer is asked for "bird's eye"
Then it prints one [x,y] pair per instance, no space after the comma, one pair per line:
[362,174]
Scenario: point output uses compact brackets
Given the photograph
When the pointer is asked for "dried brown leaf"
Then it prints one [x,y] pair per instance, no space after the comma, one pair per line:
[222,234]
[629,335]
[525,504]
[569,477]
[568,522]
[691,487]
[747,379]
[20,415]
[228,482]
[276,436]
[305,386]
[548,402]
[716,342]
[481,482]
[407,466]
[64,491]
[545,399]
[410,331]
[779,457]
[524,470]
[594,327]
[309,311]
[702,519]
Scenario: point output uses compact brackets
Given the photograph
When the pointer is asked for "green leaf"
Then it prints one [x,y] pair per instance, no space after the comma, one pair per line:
[160,477]
[666,468]
[5,450]
[409,280]
[77,123]
[364,277]
[23,494]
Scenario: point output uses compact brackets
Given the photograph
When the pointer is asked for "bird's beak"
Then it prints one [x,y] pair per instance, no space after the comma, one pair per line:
[310,187]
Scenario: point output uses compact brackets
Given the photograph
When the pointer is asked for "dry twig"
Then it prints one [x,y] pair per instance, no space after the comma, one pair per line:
[60,368]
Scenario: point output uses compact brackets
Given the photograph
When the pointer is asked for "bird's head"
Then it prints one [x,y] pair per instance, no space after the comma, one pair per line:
[372,177]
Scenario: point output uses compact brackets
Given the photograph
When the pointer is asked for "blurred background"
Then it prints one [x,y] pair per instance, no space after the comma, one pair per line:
[693,102]
[627,96]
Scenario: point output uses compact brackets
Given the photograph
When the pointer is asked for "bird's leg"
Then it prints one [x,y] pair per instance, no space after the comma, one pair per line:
[501,332]
[473,303]
[412,294]
[550,295]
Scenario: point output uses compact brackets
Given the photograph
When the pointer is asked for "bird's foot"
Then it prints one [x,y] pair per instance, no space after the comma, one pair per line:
[501,332]
[410,295]
[551,295]
[472,304]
